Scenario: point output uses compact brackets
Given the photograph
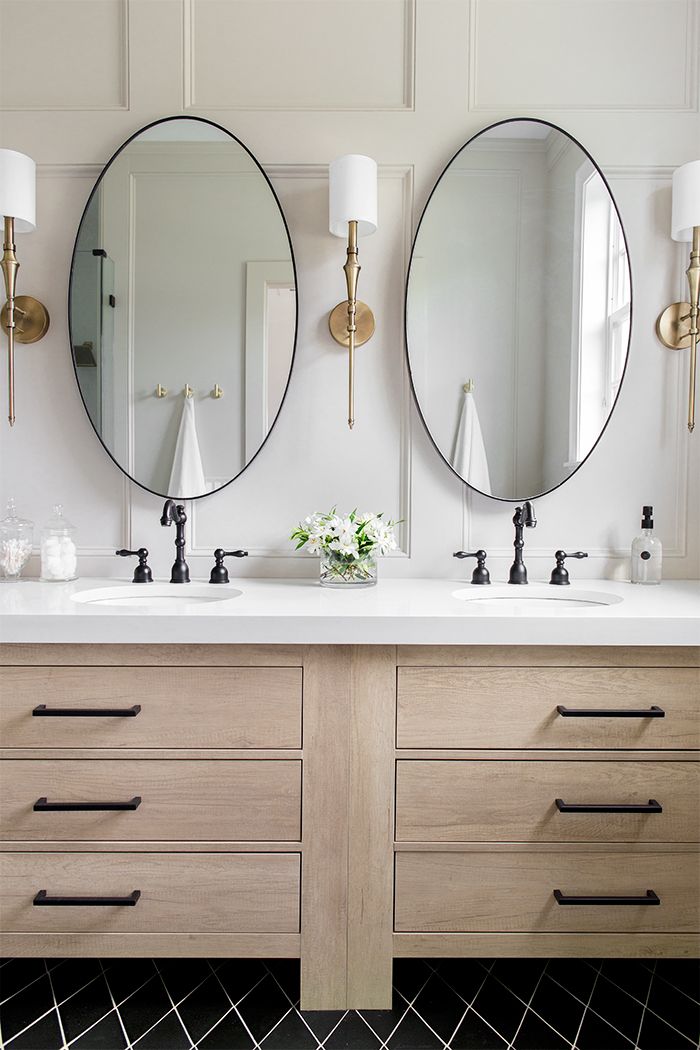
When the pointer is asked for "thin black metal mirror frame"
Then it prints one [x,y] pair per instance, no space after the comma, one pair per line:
[545,492]
[219,127]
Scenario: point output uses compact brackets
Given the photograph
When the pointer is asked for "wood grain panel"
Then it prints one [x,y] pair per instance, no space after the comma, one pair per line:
[513,892]
[515,801]
[180,706]
[196,893]
[187,799]
[490,707]
[547,655]
[180,655]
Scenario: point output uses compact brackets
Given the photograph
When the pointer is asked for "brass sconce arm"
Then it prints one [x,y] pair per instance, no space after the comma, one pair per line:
[351,323]
[10,266]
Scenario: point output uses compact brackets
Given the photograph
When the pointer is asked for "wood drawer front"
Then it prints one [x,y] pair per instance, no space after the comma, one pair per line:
[513,892]
[180,893]
[484,707]
[455,801]
[188,707]
[247,800]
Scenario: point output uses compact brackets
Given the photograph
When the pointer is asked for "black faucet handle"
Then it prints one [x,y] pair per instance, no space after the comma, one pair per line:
[560,575]
[481,573]
[142,573]
[219,574]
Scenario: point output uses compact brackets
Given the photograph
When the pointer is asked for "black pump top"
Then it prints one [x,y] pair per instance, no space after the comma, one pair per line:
[647,519]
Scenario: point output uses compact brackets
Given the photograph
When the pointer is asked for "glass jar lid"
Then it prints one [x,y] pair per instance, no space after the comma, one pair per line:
[59,523]
[12,523]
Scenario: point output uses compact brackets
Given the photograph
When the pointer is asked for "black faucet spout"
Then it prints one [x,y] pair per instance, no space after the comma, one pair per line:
[173,512]
[524,517]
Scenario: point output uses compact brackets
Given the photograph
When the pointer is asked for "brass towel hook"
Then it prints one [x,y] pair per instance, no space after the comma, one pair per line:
[217,392]
[188,391]
[161,391]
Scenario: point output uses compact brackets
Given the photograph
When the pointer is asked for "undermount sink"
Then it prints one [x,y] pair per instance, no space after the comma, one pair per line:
[157,595]
[537,599]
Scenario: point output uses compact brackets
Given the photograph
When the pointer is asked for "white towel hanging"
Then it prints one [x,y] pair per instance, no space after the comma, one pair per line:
[469,458]
[187,475]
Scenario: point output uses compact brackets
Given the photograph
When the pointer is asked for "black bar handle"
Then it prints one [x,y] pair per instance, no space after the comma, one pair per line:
[590,712]
[649,898]
[87,712]
[652,806]
[43,899]
[42,805]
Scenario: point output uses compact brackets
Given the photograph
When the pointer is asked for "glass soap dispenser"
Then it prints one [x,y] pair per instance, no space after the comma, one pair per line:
[59,554]
[16,542]
[647,552]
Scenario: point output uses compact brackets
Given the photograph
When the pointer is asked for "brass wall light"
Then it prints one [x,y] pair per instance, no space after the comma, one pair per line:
[352,198]
[677,326]
[24,318]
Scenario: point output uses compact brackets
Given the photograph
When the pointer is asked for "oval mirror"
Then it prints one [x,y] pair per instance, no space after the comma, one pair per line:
[183,307]
[518,309]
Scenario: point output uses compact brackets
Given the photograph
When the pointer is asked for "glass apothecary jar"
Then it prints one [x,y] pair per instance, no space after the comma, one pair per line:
[16,542]
[342,570]
[59,554]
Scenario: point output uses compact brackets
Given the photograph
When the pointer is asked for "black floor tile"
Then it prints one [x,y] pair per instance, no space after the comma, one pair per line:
[558,1007]
[107,1035]
[383,1022]
[596,1034]
[352,1034]
[534,1034]
[628,974]
[238,976]
[475,1034]
[439,1006]
[44,1035]
[322,1022]
[414,1034]
[683,973]
[168,1034]
[84,1008]
[181,976]
[617,1008]
[18,973]
[466,976]
[520,975]
[290,1034]
[262,1008]
[287,974]
[144,1008]
[500,1008]
[657,1035]
[25,1007]
[206,1005]
[409,976]
[73,975]
[576,975]
[228,1035]
[676,1008]
[124,976]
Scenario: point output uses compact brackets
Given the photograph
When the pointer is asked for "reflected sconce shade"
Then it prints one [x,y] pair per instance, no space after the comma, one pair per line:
[677,326]
[24,318]
[352,197]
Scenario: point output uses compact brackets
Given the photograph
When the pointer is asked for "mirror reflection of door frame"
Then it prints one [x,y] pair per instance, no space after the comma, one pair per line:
[261,276]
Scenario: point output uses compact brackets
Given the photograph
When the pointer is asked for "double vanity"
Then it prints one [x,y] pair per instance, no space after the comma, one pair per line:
[423,768]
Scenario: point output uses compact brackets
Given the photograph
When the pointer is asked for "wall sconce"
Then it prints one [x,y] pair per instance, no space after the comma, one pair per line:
[677,326]
[24,318]
[352,184]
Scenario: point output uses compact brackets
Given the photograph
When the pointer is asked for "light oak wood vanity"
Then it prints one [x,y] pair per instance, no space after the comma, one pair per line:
[349,804]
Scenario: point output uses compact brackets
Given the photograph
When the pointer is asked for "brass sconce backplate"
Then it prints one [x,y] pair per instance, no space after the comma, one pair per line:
[673,326]
[338,323]
[31,319]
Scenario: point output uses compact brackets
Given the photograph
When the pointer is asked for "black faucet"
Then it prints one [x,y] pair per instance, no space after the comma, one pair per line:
[524,517]
[176,513]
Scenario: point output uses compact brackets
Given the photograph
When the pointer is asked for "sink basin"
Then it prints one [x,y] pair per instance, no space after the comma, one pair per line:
[157,595]
[534,599]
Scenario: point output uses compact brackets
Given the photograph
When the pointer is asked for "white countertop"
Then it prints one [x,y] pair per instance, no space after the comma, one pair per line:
[394,612]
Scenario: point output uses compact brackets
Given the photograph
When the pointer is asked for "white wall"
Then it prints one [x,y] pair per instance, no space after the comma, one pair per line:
[406,81]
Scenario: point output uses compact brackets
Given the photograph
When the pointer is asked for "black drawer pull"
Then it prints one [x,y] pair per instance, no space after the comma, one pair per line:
[649,898]
[42,805]
[42,899]
[87,712]
[592,712]
[652,806]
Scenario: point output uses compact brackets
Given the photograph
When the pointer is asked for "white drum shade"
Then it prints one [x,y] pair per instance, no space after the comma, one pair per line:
[18,189]
[352,194]
[685,212]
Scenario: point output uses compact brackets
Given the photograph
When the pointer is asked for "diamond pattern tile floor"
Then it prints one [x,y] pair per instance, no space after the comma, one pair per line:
[443,1004]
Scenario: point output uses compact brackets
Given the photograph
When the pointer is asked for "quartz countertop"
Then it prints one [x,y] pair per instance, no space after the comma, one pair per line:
[406,611]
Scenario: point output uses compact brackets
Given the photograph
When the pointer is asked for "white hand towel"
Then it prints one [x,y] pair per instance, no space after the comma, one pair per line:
[187,475]
[469,459]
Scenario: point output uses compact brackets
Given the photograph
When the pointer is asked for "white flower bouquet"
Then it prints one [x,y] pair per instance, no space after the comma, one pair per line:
[348,545]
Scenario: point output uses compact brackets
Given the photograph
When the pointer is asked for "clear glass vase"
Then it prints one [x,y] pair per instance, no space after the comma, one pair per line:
[340,570]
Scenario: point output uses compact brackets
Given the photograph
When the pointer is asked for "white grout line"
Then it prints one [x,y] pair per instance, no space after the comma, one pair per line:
[319,1045]
[58,1014]
[586,1006]
[116,1008]
[470,1005]
[172,1003]
[527,1007]
[339,1021]
[644,1010]
[222,1018]
[235,1005]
